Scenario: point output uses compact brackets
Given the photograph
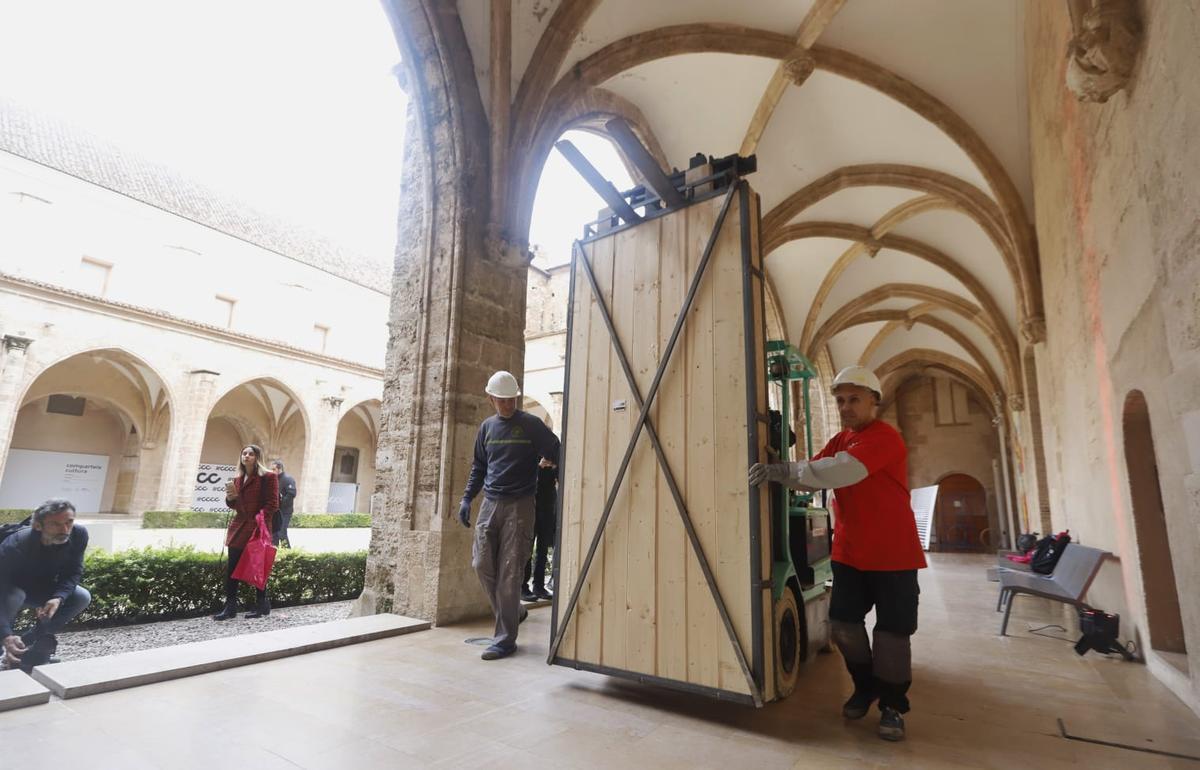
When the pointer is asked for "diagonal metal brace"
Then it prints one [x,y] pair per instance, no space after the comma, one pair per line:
[643,420]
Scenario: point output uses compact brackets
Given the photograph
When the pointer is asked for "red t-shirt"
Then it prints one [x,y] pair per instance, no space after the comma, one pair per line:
[874,527]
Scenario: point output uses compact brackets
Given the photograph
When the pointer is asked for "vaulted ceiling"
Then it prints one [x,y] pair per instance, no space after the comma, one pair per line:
[892,153]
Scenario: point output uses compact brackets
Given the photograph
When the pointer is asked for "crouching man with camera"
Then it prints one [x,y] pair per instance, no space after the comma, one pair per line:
[40,568]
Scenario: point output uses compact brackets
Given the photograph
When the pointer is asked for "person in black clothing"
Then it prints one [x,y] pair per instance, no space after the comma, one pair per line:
[544,527]
[287,497]
[40,568]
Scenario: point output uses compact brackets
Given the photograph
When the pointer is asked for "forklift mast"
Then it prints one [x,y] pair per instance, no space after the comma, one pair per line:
[801,533]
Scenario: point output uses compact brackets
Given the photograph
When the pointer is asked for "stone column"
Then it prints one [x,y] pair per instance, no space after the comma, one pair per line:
[186,439]
[313,481]
[454,320]
[1000,423]
[457,314]
[149,477]
[12,372]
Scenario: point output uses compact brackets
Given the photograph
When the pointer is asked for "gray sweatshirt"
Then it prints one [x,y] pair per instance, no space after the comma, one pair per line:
[507,454]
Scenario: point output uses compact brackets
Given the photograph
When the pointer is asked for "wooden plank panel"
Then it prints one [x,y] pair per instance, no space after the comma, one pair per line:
[589,625]
[703,621]
[644,472]
[646,606]
[570,483]
[616,534]
[731,560]
[671,413]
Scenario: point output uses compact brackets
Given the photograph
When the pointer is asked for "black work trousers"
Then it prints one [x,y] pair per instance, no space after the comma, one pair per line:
[544,529]
[883,669]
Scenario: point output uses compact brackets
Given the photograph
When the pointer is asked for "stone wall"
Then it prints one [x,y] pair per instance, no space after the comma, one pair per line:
[936,451]
[98,431]
[547,294]
[1116,210]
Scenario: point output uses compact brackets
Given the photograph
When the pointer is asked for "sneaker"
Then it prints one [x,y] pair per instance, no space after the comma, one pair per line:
[858,705]
[891,724]
[496,652]
[542,593]
[527,595]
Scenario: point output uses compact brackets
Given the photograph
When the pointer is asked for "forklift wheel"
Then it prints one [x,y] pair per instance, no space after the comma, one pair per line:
[788,643]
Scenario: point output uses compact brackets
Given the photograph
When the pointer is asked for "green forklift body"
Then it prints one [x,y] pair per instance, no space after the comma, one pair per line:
[801,531]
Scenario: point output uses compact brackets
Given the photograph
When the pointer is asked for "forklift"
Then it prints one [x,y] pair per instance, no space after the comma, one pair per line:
[801,535]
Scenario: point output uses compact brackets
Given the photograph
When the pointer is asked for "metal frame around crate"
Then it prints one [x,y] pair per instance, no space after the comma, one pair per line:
[558,630]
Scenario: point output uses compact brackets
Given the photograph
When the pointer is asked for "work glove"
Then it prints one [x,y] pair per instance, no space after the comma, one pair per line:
[464,513]
[760,472]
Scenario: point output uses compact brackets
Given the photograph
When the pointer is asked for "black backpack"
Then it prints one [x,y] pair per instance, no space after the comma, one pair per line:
[8,529]
[1049,550]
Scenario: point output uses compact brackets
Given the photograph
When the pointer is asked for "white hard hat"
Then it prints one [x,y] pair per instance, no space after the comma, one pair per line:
[502,385]
[858,375]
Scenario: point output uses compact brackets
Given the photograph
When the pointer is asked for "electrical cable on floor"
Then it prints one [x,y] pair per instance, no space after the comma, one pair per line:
[1037,632]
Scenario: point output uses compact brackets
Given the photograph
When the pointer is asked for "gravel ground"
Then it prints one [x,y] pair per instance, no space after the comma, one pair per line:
[108,641]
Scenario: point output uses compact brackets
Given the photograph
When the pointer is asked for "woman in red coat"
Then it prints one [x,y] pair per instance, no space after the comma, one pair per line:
[255,489]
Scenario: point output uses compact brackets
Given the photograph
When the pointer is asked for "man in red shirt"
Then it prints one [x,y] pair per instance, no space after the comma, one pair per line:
[876,549]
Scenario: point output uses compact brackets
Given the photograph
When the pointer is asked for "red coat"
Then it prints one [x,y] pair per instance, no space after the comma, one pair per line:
[257,493]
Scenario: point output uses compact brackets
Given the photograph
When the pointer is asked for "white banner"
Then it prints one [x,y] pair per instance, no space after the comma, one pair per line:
[923,501]
[341,497]
[31,477]
[209,492]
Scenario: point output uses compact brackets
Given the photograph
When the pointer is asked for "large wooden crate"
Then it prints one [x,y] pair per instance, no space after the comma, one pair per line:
[645,608]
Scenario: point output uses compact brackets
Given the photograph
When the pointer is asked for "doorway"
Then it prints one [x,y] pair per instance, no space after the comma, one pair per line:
[1150,526]
[960,517]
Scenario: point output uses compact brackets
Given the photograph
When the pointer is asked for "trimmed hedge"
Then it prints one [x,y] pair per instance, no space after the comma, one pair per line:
[185,520]
[219,520]
[181,582]
[329,520]
[14,515]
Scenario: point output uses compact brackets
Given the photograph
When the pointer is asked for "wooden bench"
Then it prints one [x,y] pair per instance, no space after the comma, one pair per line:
[1069,583]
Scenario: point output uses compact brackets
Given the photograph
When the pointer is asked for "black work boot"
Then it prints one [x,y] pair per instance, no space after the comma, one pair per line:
[891,724]
[893,701]
[228,612]
[262,607]
[859,703]
[541,593]
[527,595]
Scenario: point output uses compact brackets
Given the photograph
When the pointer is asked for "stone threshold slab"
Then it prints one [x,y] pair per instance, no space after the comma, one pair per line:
[17,690]
[74,679]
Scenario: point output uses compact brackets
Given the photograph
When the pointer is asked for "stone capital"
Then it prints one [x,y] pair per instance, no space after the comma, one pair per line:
[1016,402]
[1104,47]
[1033,329]
[335,402]
[13,342]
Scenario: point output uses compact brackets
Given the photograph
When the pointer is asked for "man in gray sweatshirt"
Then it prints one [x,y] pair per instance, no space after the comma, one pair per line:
[507,450]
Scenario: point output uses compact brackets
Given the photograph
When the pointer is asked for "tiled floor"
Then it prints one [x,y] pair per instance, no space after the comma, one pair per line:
[427,699]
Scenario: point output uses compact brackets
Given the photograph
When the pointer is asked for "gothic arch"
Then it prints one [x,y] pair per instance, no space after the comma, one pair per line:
[726,38]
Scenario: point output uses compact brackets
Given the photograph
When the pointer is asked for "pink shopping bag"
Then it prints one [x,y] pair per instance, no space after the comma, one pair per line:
[258,557]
